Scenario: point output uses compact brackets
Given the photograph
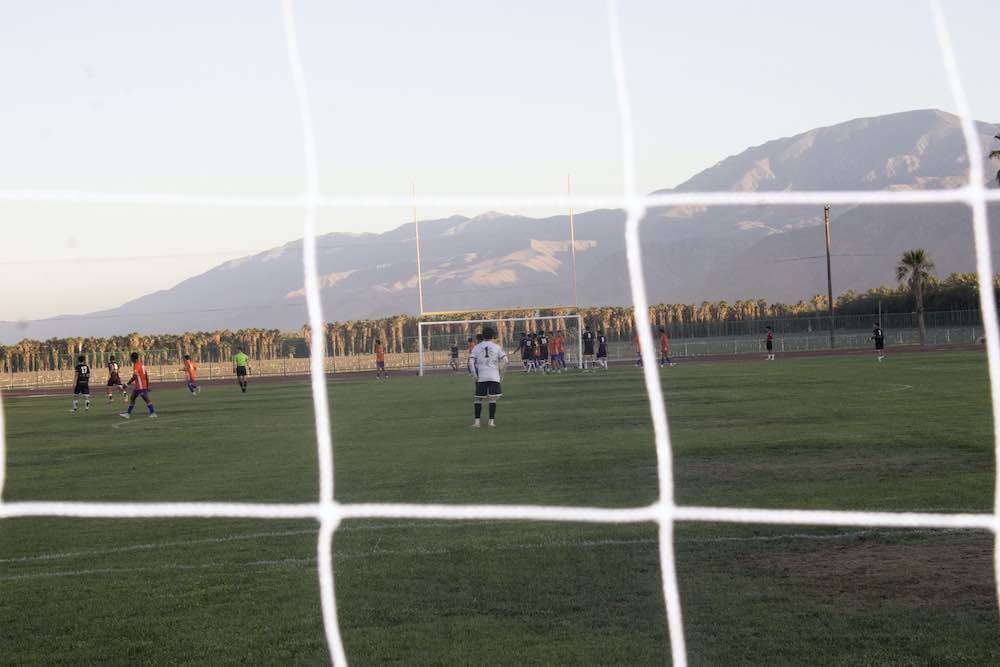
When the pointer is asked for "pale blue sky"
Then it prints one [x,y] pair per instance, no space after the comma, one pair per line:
[459,97]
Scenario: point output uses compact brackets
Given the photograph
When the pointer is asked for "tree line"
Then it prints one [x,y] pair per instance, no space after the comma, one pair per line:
[958,292]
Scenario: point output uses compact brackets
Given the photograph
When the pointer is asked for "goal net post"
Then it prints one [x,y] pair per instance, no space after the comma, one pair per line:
[435,338]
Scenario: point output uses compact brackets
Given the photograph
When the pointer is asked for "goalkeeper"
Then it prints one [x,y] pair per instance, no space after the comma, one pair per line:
[486,364]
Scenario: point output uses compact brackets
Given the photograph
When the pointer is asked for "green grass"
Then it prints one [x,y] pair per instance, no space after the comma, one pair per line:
[832,433]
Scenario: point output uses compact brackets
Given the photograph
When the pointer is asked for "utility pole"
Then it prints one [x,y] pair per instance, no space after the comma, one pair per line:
[572,242]
[416,234]
[829,279]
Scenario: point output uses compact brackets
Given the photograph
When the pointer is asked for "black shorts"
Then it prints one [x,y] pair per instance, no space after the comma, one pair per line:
[588,348]
[114,380]
[241,371]
[880,345]
[770,345]
[488,389]
[602,352]
[82,388]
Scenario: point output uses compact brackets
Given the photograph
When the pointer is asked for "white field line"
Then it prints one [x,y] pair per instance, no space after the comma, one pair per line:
[984,260]
[487,202]
[440,551]
[895,388]
[411,525]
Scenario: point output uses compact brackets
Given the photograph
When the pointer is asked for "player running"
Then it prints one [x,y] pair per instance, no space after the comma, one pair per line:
[380,372]
[191,369]
[879,337]
[81,383]
[665,359]
[141,388]
[770,344]
[602,349]
[115,379]
[242,368]
[486,365]
[454,355]
[588,348]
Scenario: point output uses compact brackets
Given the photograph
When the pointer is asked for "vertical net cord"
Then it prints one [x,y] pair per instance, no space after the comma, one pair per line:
[984,264]
[329,516]
[635,210]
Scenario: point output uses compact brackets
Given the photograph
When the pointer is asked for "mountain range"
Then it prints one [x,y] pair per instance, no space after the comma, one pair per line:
[690,254]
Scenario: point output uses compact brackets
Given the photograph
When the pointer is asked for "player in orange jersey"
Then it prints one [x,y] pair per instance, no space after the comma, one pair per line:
[140,387]
[380,372]
[665,359]
[191,369]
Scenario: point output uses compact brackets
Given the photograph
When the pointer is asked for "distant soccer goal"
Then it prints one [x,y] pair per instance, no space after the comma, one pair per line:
[440,340]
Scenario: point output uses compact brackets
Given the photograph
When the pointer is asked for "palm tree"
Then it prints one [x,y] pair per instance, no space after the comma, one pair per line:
[995,155]
[914,268]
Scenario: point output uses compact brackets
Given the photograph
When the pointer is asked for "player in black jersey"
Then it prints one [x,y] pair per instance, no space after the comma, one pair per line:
[543,349]
[81,375]
[602,349]
[879,337]
[524,347]
[588,348]
[454,355]
[115,380]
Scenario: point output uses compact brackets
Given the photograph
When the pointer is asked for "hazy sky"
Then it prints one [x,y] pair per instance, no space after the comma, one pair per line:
[460,97]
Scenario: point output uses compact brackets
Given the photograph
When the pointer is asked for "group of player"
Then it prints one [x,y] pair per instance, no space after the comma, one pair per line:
[543,352]
[138,385]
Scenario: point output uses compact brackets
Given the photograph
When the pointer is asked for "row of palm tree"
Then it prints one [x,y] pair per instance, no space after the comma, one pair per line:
[917,287]
[207,346]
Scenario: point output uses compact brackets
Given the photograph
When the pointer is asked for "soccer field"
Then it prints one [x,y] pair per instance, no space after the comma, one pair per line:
[822,433]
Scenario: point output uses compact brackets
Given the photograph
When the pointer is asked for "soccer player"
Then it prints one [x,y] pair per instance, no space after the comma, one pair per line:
[536,352]
[81,383]
[141,388]
[602,349]
[472,343]
[241,368]
[638,350]
[543,345]
[191,369]
[665,359]
[380,372]
[454,355]
[486,364]
[879,339]
[558,351]
[115,379]
[524,347]
[588,348]
[770,344]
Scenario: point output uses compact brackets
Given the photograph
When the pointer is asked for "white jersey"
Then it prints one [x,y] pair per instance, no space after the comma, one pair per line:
[487,361]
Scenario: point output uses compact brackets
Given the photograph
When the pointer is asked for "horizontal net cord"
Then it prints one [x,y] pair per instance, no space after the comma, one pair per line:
[984,521]
[965,194]
[337,512]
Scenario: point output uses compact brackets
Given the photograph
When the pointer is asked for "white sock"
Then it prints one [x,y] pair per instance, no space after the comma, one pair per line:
[74,404]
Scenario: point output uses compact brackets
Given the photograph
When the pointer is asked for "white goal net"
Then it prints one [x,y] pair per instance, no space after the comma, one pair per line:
[665,512]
